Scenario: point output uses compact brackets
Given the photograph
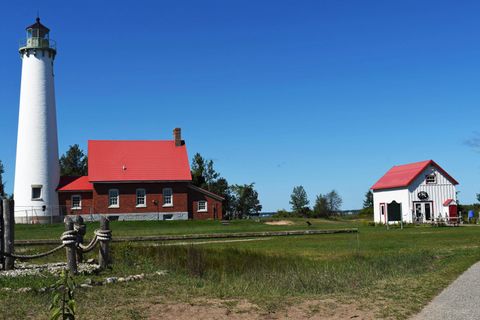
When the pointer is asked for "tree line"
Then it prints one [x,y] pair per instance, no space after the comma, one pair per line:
[325,205]
[241,200]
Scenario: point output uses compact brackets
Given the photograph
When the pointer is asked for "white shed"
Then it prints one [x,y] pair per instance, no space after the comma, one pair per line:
[418,192]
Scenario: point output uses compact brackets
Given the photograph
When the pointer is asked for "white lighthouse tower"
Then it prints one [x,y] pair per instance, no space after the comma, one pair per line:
[37,171]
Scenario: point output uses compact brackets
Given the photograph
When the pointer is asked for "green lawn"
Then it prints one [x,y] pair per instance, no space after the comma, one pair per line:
[152,228]
[393,272]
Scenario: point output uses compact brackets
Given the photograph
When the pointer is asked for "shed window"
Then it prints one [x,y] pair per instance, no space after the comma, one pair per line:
[167,197]
[76,202]
[113,198]
[202,206]
[431,179]
[141,198]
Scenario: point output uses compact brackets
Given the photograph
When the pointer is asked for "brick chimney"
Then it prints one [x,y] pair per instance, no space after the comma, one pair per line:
[177,136]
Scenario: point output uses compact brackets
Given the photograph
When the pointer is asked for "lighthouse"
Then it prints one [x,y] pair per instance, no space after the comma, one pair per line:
[37,171]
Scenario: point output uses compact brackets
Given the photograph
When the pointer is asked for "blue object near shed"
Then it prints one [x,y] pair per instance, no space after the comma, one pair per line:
[471,214]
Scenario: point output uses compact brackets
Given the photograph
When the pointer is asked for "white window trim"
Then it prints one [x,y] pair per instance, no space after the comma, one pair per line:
[79,207]
[165,205]
[118,199]
[41,192]
[144,205]
[206,206]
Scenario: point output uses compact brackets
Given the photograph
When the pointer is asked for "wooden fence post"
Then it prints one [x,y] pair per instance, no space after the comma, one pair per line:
[8,233]
[2,228]
[71,247]
[104,251]
[81,231]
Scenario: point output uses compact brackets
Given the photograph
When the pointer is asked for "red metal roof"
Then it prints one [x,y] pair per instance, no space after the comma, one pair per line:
[117,160]
[447,202]
[402,175]
[74,184]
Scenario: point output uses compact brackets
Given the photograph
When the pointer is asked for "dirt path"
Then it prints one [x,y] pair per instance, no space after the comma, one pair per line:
[459,301]
[244,310]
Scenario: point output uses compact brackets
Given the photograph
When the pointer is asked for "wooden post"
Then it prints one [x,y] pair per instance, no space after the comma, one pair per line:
[2,228]
[104,251]
[71,248]
[8,233]
[81,231]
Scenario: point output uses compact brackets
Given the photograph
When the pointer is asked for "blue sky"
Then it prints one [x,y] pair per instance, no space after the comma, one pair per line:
[324,94]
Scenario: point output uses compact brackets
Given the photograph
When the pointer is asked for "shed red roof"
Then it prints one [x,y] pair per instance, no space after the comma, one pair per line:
[74,184]
[447,202]
[117,160]
[402,175]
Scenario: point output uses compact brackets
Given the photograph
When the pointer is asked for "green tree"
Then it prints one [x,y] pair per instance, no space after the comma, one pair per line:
[74,162]
[222,188]
[367,209]
[211,176]
[2,184]
[334,201]
[368,202]
[206,177]
[198,171]
[298,199]
[245,200]
[321,207]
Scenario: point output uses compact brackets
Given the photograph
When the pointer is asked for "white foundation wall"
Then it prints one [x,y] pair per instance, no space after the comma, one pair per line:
[37,144]
[442,190]
[387,196]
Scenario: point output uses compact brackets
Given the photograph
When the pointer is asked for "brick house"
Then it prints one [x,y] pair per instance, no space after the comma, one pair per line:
[138,180]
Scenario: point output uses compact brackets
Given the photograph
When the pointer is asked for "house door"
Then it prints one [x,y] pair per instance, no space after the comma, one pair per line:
[452,212]
[423,211]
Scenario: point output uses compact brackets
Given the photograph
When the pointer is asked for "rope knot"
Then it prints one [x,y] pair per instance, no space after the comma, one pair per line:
[69,237]
[81,229]
[103,235]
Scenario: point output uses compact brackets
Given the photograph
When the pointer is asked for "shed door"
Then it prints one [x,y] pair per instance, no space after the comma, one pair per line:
[452,211]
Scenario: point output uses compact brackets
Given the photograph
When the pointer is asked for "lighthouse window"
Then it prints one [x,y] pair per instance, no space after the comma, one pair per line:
[36,192]
[76,202]
[113,198]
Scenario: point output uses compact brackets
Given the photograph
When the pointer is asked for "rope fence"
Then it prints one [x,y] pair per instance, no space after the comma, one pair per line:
[71,239]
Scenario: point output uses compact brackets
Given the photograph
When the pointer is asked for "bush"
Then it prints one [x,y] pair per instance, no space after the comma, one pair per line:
[366,213]
[282,213]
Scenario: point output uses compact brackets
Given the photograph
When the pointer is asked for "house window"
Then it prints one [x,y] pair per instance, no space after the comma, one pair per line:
[37,192]
[431,179]
[202,206]
[76,202]
[167,197]
[141,198]
[113,198]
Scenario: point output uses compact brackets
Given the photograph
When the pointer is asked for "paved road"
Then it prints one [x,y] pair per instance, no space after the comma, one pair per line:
[459,301]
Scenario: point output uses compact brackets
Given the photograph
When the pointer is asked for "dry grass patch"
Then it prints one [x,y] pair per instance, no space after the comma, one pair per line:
[280,223]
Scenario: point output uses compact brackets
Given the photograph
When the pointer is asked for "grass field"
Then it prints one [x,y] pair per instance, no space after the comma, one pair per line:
[390,274]
[149,228]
